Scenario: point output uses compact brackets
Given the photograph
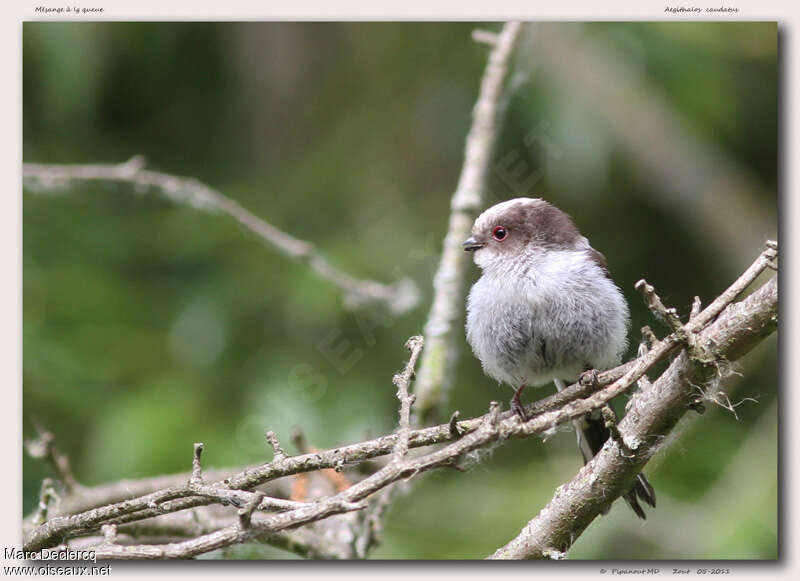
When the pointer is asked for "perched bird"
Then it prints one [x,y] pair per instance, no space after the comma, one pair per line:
[545,309]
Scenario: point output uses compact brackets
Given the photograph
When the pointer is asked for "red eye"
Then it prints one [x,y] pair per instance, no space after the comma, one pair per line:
[499,233]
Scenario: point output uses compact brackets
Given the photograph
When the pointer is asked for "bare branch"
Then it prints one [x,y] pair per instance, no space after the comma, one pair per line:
[662,313]
[370,525]
[448,283]
[43,448]
[47,493]
[402,381]
[88,497]
[399,297]
[176,497]
[453,425]
[180,526]
[345,501]
[246,512]
[196,478]
[697,306]
[485,36]
[242,498]
[763,261]
[654,413]
[439,355]
[109,534]
[272,439]
[729,332]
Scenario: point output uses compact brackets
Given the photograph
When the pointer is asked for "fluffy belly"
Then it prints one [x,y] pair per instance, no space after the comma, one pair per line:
[512,350]
[520,344]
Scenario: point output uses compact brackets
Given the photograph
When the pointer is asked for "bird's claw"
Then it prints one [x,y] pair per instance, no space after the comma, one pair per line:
[519,409]
[590,377]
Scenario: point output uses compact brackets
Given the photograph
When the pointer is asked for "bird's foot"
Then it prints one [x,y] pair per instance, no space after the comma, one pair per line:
[590,377]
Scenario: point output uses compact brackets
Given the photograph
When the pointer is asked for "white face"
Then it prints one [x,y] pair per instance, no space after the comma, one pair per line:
[487,256]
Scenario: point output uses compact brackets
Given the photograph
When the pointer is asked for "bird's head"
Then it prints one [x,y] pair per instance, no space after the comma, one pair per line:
[514,230]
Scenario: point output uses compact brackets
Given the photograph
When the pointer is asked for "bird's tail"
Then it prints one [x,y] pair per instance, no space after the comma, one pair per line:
[642,490]
[592,433]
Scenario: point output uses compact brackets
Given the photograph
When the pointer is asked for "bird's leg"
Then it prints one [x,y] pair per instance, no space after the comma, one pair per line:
[516,404]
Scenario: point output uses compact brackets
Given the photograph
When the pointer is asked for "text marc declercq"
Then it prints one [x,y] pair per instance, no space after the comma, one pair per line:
[55,554]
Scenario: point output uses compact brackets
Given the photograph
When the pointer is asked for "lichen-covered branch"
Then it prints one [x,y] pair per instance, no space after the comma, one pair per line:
[399,297]
[441,329]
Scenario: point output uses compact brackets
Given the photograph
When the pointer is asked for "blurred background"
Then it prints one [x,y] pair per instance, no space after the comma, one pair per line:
[149,325]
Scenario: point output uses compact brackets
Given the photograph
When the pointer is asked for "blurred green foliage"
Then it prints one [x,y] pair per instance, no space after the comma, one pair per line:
[149,326]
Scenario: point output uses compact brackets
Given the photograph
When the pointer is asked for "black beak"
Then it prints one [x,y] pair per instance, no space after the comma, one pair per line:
[471,244]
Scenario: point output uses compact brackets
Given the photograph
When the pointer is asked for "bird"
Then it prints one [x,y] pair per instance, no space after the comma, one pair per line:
[545,308]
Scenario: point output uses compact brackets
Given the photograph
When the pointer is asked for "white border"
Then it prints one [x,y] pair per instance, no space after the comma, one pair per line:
[785,12]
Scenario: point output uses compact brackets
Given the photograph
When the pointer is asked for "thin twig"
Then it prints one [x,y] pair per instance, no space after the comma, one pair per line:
[180,497]
[697,306]
[272,439]
[197,470]
[345,501]
[485,36]
[370,525]
[109,534]
[240,498]
[402,381]
[42,447]
[453,425]
[298,439]
[246,512]
[662,313]
[399,297]
[47,493]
